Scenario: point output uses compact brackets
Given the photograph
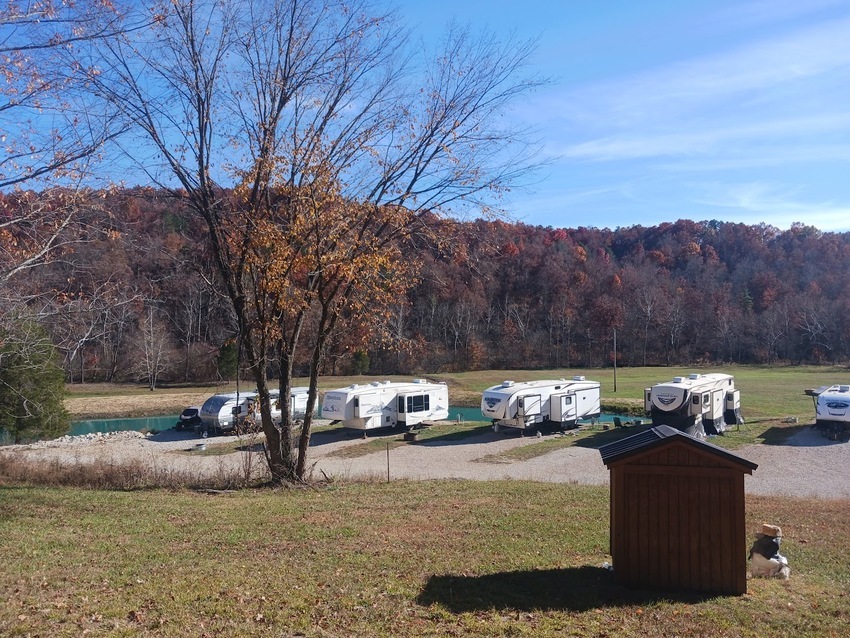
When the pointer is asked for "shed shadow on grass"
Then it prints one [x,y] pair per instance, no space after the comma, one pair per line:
[572,589]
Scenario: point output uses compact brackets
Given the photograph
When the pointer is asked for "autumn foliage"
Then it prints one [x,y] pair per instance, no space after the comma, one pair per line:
[753,294]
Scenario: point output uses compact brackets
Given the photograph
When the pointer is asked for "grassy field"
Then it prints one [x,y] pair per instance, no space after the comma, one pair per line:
[447,558]
[437,558]
[766,392]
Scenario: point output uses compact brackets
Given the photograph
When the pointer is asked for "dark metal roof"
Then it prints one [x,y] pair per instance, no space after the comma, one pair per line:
[659,435]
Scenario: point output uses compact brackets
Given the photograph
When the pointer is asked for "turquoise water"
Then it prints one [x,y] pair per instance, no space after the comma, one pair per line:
[116,425]
[474,414]
[160,423]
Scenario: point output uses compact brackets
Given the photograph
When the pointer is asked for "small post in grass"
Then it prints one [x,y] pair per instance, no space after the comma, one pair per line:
[388,461]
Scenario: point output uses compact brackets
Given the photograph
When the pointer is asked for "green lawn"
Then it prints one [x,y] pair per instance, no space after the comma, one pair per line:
[437,558]
[766,392]
[443,558]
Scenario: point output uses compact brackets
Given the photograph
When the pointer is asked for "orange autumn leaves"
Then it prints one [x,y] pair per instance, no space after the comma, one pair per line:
[314,252]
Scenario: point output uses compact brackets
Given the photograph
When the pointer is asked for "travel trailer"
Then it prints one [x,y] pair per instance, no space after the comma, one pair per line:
[384,404]
[529,404]
[698,404]
[223,412]
[297,402]
[832,405]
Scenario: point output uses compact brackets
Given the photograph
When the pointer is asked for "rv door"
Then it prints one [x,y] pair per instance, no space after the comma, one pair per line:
[529,405]
[696,404]
[717,398]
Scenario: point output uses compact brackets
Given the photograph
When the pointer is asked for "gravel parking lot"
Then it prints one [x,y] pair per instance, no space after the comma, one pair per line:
[807,465]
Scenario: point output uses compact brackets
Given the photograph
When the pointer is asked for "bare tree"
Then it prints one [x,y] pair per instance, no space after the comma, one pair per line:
[156,352]
[48,125]
[340,143]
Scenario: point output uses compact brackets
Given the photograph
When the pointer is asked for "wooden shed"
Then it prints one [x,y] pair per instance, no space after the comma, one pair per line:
[677,513]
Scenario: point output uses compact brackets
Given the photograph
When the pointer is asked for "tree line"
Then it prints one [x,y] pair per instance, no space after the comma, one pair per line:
[138,299]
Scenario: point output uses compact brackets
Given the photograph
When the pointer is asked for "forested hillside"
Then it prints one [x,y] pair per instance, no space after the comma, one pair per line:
[133,297]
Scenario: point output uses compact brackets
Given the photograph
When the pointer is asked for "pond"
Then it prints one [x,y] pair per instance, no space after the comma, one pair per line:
[160,423]
[474,414]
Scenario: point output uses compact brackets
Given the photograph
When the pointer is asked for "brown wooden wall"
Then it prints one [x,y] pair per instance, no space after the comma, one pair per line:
[677,521]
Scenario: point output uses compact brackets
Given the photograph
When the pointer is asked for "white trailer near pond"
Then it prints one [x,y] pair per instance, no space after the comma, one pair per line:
[698,404]
[385,404]
[223,412]
[530,404]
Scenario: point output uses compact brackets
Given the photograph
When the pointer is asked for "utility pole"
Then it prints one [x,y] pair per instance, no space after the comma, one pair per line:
[615,359]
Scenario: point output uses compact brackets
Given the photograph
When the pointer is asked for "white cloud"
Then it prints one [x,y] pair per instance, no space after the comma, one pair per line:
[707,139]
[661,97]
[759,200]
[761,12]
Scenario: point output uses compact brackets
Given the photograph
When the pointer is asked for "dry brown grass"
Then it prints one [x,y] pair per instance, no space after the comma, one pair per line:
[105,401]
[124,475]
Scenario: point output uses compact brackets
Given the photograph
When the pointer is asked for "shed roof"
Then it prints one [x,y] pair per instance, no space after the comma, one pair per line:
[660,435]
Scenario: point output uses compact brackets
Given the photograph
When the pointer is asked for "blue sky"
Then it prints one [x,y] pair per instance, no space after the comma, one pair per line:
[661,110]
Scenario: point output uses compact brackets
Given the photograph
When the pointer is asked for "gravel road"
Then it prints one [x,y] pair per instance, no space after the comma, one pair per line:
[807,465]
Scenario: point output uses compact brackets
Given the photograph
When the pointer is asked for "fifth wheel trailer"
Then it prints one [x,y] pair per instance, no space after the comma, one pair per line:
[530,404]
[383,404]
[698,404]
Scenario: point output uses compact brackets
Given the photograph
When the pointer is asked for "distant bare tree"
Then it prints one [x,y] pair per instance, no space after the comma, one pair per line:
[156,350]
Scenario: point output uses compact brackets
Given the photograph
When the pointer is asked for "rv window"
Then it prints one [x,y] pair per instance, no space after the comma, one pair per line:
[418,403]
[569,400]
[705,399]
[696,399]
[401,405]
[356,402]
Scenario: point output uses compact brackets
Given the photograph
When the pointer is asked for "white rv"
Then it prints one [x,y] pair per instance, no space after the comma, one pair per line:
[297,402]
[383,404]
[529,404]
[222,412]
[698,404]
[832,404]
